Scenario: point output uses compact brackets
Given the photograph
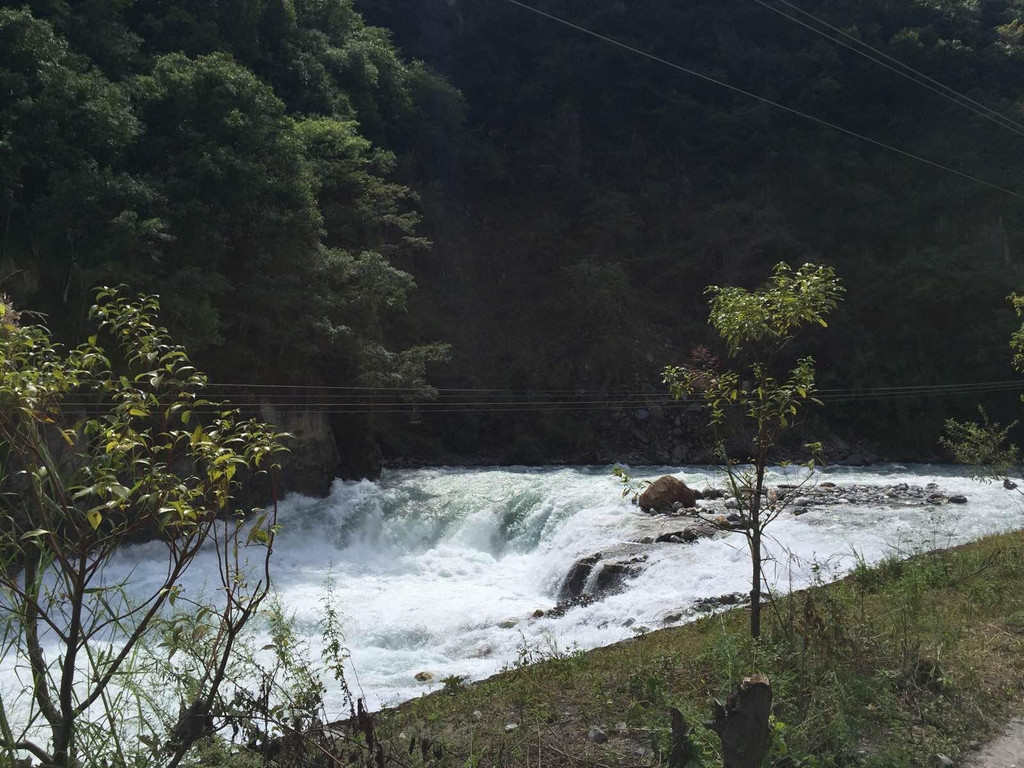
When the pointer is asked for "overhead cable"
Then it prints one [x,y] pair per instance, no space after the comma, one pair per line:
[882,59]
[763,99]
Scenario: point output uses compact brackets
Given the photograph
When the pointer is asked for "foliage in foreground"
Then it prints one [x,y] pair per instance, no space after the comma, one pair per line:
[92,459]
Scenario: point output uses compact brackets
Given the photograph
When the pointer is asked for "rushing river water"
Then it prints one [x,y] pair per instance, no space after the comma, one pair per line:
[440,570]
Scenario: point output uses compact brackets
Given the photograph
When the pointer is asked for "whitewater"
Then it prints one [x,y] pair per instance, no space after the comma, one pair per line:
[440,571]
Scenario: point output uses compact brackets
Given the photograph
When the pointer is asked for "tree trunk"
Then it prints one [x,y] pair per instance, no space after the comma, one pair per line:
[742,723]
[755,553]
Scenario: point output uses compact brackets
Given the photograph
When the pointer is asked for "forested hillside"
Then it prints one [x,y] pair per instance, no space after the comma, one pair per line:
[282,172]
[604,191]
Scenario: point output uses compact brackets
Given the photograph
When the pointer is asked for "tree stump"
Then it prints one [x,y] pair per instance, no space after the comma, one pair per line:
[681,754]
[742,724]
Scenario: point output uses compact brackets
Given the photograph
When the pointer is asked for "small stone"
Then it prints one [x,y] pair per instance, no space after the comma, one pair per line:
[732,504]
[974,745]
[597,736]
[689,534]
[957,498]
[732,517]
[509,727]
[1009,485]
[941,761]
[802,501]
[827,485]
[538,613]
[424,677]
[797,511]
[629,622]
[509,624]
[711,493]
[478,715]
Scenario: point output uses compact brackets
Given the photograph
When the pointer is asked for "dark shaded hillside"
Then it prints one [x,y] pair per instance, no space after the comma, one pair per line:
[283,172]
[600,193]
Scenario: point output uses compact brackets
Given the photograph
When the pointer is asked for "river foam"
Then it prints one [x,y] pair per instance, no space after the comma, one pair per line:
[440,570]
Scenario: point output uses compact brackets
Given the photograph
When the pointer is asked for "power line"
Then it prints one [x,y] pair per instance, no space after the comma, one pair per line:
[898,67]
[762,99]
[925,392]
[213,386]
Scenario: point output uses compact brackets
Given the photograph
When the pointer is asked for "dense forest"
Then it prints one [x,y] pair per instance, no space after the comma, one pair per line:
[447,197]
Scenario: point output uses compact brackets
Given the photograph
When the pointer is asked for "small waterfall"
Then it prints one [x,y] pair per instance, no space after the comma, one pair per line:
[442,570]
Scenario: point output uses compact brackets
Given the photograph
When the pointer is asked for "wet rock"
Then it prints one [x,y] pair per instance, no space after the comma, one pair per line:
[732,517]
[708,604]
[936,498]
[539,613]
[802,501]
[597,736]
[711,493]
[575,581]
[957,498]
[797,511]
[827,485]
[424,677]
[671,618]
[628,623]
[507,624]
[612,575]
[732,503]
[664,492]
[686,536]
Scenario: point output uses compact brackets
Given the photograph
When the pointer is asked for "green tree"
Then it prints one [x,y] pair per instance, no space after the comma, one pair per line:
[751,406]
[984,443]
[92,458]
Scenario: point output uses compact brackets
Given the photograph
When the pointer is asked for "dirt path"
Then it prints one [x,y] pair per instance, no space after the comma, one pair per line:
[1006,751]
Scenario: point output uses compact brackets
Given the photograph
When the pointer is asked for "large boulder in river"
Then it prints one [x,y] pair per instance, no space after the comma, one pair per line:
[666,491]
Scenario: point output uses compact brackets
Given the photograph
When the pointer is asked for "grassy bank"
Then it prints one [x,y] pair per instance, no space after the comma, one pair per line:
[887,667]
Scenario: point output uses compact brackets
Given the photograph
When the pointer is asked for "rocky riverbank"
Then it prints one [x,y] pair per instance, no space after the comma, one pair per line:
[714,513]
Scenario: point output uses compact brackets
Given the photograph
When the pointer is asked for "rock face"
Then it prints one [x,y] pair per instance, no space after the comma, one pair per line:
[666,491]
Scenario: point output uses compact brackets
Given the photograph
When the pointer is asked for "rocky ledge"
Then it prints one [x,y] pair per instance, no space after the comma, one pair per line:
[678,515]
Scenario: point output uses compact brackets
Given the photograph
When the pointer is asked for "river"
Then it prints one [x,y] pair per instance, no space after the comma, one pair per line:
[441,570]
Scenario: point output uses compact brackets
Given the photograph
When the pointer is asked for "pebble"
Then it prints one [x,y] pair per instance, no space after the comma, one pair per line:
[942,761]
[596,735]
[509,727]
[957,498]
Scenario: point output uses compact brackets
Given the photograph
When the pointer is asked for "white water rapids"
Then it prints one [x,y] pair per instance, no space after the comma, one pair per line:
[440,570]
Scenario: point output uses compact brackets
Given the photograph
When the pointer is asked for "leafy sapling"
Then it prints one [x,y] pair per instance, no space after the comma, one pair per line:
[752,405]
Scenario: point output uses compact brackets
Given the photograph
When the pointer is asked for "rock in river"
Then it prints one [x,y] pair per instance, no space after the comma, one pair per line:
[666,491]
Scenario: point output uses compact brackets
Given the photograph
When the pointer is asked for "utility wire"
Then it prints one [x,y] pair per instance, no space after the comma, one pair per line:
[214,386]
[763,99]
[897,66]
